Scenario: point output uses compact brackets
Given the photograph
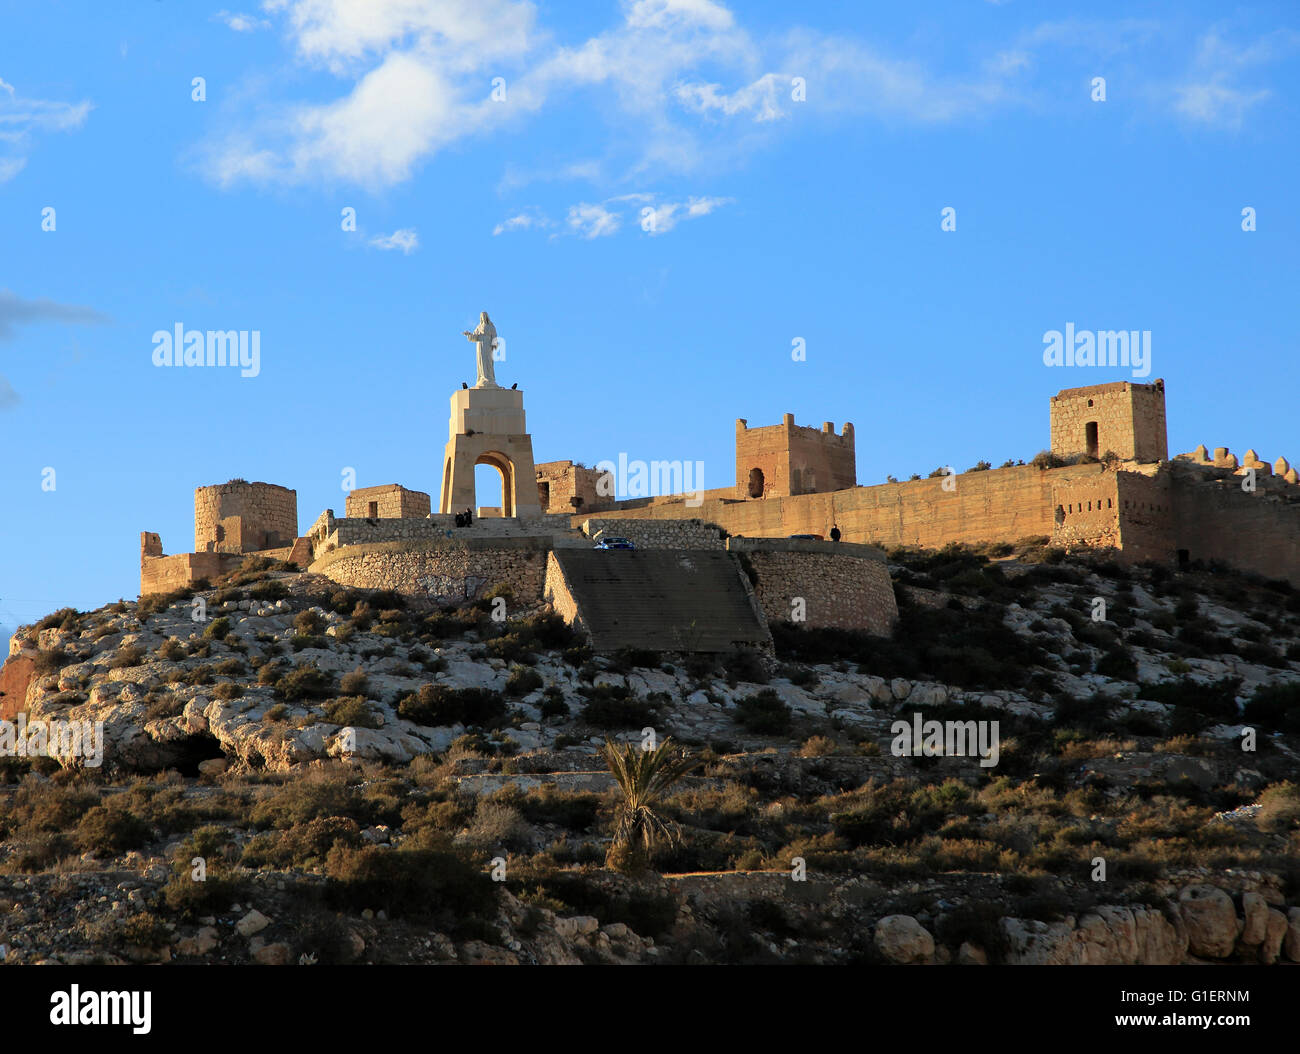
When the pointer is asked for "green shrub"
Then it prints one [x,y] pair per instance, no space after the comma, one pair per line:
[1215,701]
[68,619]
[764,714]
[126,656]
[161,704]
[106,830]
[351,710]
[304,845]
[171,650]
[437,705]
[744,664]
[217,629]
[553,704]
[304,682]
[522,680]
[355,683]
[51,660]
[309,623]
[227,690]
[610,707]
[1118,665]
[153,603]
[1275,707]
[408,882]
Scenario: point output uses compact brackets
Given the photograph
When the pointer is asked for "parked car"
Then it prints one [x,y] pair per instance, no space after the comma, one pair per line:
[614,543]
[809,537]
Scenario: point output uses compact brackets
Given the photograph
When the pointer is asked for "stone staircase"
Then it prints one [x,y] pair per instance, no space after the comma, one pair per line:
[662,600]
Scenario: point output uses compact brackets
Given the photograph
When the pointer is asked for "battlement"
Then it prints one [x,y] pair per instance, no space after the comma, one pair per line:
[787,459]
[1280,469]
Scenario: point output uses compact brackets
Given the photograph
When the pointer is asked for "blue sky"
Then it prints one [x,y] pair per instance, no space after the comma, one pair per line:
[773,218]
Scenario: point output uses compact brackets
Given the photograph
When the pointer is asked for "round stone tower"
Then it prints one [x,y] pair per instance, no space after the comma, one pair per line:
[242,517]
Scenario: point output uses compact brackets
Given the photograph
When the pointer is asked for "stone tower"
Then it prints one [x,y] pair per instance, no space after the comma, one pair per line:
[1126,418]
[488,428]
[788,459]
[241,517]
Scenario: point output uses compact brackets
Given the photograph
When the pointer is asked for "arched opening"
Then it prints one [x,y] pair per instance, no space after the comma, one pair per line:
[756,483]
[494,483]
[1090,432]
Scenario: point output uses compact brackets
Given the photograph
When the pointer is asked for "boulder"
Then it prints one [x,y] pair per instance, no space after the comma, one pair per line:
[575,926]
[901,939]
[1255,911]
[1274,934]
[1291,942]
[253,922]
[1210,919]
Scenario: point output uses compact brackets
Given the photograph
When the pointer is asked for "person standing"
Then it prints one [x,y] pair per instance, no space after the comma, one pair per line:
[835,532]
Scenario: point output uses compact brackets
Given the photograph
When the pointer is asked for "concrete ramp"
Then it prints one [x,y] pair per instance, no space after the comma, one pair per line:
[664,600]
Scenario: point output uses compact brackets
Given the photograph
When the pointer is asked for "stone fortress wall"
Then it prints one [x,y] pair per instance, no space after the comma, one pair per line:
[1138,502]
[1120,492]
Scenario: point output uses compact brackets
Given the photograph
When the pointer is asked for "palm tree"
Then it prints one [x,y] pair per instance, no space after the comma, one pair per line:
[645,777]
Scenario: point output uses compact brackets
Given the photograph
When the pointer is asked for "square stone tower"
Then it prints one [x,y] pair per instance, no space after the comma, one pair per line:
[487,428]
[1126,418]
[787,459]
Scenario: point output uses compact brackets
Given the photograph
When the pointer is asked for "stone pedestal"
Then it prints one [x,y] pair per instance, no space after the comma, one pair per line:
[487,428]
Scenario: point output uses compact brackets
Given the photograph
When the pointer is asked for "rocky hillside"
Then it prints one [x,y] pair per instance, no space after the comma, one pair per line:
[296,772]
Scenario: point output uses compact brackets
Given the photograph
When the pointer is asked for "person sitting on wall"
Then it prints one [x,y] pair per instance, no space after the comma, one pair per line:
[835,533]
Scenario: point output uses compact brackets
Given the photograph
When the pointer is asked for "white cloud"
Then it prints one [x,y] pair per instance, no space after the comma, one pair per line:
[592,221]
[456,34]
[240,22]
[759,98]
[681,86]
[403,238]
[22,118]
[522,222]
[670,213]
[1212,93]
[600,220]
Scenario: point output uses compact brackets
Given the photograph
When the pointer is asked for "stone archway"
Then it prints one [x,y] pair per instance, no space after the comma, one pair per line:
[756,483]
[487,428]
[499,461]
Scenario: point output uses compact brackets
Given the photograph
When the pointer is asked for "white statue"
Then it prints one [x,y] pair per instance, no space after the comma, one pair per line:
[486,338]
